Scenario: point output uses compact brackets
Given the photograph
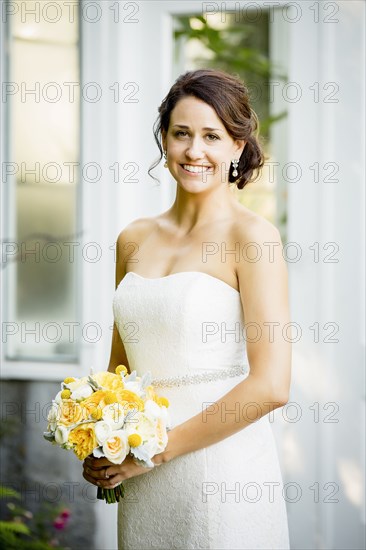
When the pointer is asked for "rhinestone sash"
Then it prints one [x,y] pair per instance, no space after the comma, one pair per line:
[210,376]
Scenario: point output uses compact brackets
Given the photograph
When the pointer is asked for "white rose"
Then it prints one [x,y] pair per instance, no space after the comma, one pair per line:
[116,447]
[53,416]
[102,431]
[61,435]
[134,386]
[152,409]
[75,384]
[142,424]
[114,415]
[81,392]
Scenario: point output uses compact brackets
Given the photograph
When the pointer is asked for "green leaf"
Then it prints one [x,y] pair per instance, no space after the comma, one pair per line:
[14,527]
[8,492]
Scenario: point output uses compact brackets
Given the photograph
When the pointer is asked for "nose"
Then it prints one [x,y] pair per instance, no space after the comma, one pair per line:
[194,150]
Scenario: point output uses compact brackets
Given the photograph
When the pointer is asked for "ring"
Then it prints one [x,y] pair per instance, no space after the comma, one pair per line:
[106,475]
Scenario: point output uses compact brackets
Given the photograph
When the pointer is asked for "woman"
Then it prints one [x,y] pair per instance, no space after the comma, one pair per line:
[201,293]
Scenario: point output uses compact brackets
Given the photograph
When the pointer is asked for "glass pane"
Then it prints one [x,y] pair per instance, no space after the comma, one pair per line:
[43,113]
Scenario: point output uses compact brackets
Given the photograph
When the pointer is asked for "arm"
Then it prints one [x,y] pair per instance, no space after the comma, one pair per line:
[264,294]
[127,240]
[118,354]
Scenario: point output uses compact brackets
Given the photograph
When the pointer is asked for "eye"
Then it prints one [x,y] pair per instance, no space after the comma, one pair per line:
[180,132]
[213,136]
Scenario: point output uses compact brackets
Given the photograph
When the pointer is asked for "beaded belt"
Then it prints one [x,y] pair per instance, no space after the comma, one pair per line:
[188,379]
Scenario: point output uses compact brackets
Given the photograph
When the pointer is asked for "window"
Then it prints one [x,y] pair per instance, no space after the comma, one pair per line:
[41,182]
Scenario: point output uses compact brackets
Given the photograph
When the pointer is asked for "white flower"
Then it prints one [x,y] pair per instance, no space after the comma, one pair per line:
[53,416]
[135,386]
[58,397]
[81,392]
[102,431]
[116,447]
[142,424]
[152,409]
[145,452]
[61,435]
[114,415]
[79,387]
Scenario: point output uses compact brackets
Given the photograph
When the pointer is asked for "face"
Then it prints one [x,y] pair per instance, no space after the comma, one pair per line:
[199,148]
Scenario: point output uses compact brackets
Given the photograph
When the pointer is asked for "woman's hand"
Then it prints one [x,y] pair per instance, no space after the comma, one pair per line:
[105,474]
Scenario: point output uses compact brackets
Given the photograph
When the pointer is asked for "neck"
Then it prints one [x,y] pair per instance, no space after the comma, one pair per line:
[191,210]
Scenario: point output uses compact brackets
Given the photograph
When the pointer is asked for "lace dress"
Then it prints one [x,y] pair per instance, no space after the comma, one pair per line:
[187,330]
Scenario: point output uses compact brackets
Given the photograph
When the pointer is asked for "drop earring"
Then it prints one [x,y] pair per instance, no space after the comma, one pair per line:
[165,163]
[235,163]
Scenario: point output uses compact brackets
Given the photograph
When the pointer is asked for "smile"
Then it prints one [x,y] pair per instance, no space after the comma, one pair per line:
[194,169]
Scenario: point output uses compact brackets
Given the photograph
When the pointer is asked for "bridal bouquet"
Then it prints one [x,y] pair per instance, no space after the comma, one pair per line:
[110,415]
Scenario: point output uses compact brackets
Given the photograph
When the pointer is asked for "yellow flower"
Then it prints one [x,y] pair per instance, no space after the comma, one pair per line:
[84,440]
[163,402]
[109,381]
[71,412]
[110,397]
[131,397]
[121,369]
[65,394]
[96,413]
[94,404]
[151,394]
[69,380]
[134,440]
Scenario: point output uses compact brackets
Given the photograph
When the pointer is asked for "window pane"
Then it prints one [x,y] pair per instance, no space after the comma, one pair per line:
[43,114]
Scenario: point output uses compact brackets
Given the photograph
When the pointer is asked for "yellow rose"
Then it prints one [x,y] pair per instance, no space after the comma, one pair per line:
[94,403]
[71,412]
[131,397]
[84,440]
[109,381]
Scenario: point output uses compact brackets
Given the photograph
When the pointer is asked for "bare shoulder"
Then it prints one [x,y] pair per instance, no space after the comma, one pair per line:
[250,227]
[129,241]
[136,231]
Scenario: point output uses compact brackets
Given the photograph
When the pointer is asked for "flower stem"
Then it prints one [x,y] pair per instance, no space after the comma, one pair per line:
[111,496]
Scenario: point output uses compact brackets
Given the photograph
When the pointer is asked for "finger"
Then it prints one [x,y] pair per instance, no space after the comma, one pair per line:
[94,474]
[112,482]
[90,479]
[97,463]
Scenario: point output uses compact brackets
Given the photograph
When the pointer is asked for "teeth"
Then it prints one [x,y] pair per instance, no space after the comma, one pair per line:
[195,169]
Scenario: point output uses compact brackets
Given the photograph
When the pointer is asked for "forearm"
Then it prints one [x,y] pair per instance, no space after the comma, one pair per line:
[246,403]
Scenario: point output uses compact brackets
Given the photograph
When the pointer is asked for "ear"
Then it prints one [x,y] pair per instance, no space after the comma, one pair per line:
[240,146]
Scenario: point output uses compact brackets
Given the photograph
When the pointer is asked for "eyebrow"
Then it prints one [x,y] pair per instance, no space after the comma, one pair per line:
[206,128]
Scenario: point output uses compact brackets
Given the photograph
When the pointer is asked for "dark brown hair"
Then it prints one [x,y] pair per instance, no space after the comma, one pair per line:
[229,97]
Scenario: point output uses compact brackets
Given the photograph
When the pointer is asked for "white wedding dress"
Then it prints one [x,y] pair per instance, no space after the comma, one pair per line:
[228,495]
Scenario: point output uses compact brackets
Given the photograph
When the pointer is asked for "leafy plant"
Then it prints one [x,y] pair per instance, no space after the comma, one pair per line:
[24,531]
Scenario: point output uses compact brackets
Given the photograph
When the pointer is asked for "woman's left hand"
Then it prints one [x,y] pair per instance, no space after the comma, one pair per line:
[105,474]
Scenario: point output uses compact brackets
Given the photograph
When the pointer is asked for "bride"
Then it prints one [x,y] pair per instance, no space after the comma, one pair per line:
[205,286]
